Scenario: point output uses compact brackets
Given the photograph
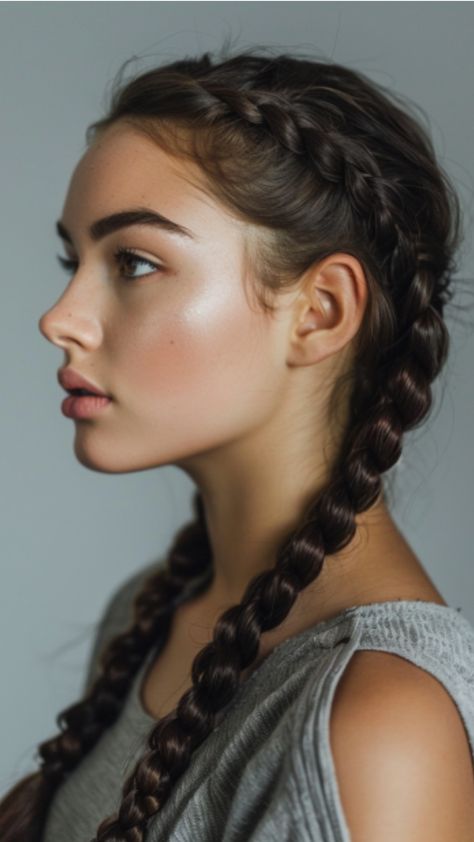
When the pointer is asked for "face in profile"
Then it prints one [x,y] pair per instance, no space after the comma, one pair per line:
[170,331]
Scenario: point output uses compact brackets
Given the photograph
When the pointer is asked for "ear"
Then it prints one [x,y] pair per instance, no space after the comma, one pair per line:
[329,309]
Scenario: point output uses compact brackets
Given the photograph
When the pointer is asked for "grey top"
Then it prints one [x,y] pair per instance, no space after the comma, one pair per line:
[266,771]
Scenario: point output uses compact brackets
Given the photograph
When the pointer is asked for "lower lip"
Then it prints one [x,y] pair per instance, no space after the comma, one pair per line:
[86,406]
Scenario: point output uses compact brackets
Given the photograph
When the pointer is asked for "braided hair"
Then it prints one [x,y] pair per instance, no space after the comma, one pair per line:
[320,159]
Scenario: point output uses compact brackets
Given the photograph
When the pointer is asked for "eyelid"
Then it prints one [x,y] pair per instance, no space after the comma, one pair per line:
[125,251]
[121,253]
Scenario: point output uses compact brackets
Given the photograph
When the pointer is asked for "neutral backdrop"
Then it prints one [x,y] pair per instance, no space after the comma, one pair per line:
[70,536]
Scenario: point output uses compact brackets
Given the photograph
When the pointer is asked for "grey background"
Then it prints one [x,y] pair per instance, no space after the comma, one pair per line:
[69,535]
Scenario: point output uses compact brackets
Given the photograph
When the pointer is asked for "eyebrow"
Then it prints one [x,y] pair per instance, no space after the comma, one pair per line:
[124,219]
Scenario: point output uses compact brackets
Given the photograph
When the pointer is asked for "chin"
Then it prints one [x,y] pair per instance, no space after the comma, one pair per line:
[99,465]
[98,459]
[109,457]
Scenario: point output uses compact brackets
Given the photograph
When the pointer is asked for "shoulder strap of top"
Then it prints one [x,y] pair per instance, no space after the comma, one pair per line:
[434,637]
[437,638]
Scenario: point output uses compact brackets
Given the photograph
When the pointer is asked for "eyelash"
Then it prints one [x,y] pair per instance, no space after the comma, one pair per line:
[120,256]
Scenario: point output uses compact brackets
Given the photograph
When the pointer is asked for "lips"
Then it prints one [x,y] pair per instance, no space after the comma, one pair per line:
[71,381]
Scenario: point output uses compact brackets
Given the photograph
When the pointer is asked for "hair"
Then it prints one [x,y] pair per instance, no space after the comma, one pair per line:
[332,162]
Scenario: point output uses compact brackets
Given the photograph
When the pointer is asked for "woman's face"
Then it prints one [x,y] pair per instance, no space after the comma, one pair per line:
[189,359]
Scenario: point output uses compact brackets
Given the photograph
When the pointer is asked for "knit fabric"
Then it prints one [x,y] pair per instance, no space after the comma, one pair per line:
[266,771]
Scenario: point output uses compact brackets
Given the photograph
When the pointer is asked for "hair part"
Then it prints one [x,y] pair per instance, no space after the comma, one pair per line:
[332,162]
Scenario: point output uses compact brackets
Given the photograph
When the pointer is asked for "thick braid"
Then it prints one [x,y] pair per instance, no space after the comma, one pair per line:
[394,399]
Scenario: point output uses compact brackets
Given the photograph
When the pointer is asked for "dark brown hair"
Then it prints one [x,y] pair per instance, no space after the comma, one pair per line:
[319,159]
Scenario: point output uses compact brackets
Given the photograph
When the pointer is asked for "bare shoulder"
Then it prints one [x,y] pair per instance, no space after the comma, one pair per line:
[401,753]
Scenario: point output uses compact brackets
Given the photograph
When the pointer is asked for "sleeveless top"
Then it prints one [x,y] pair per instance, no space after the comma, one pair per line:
[266,771]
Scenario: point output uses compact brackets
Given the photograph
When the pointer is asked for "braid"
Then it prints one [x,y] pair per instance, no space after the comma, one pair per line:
[330,163]
[329,524]
[83,723]
[267,110]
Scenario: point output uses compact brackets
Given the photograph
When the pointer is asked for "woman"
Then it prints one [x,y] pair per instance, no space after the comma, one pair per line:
[261,251]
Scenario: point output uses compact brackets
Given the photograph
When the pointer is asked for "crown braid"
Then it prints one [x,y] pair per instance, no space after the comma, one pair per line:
[330,163]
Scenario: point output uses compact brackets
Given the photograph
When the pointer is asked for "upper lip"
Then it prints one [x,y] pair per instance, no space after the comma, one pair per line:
[70,379]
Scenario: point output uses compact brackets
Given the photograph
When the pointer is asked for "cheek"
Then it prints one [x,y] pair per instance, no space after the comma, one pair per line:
[206,366]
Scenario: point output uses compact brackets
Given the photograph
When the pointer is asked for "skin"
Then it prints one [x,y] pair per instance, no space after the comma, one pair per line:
[203,379]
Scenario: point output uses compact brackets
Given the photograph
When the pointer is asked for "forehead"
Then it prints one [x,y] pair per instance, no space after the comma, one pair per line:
[124,168]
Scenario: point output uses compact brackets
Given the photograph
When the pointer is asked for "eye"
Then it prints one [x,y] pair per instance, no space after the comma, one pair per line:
[123,257]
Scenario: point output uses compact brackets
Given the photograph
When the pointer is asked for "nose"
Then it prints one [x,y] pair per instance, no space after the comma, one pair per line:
[52,326]
[48,325]
[71,322]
